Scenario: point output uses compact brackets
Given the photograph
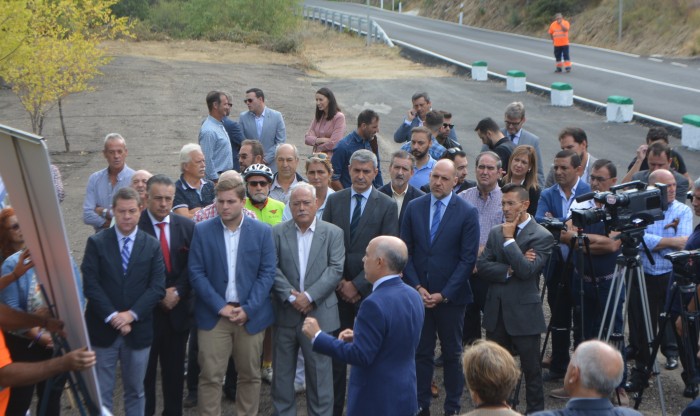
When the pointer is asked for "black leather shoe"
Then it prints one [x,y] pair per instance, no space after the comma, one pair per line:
[552,376]
[690,391]
[671,363]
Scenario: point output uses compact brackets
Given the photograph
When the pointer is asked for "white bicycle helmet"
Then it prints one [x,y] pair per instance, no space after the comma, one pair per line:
[258,169]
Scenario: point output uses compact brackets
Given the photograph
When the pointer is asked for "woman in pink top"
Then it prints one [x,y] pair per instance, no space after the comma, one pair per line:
[328,127]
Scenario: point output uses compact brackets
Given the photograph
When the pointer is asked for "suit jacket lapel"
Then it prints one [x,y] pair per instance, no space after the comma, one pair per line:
[316,246]
[369,206]
[136,249]
[344,221]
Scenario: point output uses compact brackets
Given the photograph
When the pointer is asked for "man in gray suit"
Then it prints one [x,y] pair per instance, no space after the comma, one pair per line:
[594,371]
[363,213]
[515,253]
[514,120]
[304,286]
[263,124]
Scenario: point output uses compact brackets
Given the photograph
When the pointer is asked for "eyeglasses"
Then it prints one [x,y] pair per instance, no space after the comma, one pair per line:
[448,125]
[319,155]
[248,100]
[512,123]
[598,178]
[261,184]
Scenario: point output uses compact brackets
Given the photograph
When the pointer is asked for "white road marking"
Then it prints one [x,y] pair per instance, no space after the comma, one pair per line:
[679,64]
[655,59]
[547,57]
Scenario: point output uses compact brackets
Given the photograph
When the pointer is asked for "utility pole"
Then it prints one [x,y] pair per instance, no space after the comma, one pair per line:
[619,21]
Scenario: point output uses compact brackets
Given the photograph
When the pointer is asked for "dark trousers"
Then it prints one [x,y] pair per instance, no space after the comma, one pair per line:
[561,51]
[445,321]
[347,312]
[472,314]
[169,346]
[656,295]
[560,304]
[528,348]
[21,397]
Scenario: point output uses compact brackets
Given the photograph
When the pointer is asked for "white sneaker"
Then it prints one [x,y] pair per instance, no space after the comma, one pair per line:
[266,375]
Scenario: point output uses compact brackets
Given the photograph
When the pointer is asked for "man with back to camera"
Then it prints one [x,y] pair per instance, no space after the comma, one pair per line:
[382,345]
[103,184]
[213,137]
[441,232]
[493,138]
[264,124]
[512,260]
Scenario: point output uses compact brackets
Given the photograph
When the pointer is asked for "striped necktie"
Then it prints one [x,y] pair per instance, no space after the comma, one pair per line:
[126,252]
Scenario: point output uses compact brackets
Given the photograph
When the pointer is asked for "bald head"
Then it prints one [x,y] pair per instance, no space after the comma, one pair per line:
[287,159]
[443,178]
[595,370]
[231,175]
[385,255]
[665,177]
[139,180]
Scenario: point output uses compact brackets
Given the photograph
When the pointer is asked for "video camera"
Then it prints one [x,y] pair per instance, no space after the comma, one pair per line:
[554,226]
[686,263]
[624,209]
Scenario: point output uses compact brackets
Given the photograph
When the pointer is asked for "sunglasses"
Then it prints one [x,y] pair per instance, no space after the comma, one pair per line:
[448,125]
[261,184]
[321,156]
[248,100]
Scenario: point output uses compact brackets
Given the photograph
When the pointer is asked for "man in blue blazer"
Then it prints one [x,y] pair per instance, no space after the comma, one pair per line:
[171,318]
[382,345]
[595,370]
[264,124]
[123,280]
[232,269]
[554,203]
[441,232]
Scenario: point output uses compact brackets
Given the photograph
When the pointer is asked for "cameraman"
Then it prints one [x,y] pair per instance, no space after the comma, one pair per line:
[693,243]
[661,237]
[597,282]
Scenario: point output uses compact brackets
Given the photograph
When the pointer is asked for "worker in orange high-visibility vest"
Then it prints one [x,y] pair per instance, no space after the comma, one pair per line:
[559,31]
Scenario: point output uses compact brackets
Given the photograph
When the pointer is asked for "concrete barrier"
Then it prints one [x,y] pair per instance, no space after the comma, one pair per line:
[690,132]
[619,109]
[562,94]
[480,71]
[516,81]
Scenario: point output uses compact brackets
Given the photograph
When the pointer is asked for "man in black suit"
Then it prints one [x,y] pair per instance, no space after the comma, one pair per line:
[401,170]
[362,213]
[123,280]
[171,316]
[515,253]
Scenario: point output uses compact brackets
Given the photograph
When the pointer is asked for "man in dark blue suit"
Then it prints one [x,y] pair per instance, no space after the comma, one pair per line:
[554,203]
[123,280]
[441,232]
[401,170]
[381,348]
[171,318]
[595,370]
[232,269]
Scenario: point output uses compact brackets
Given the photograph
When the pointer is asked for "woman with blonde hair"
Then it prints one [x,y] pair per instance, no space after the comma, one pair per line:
[522,170]
[491,376]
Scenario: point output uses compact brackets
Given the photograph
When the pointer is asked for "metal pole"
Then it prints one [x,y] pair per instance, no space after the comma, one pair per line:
[461,16]
[619,22]
[369,39]
[399,7]
[381,4]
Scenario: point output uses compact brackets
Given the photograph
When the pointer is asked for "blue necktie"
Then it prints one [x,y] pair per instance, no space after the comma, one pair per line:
[356,213]
[126,252]
[436,220]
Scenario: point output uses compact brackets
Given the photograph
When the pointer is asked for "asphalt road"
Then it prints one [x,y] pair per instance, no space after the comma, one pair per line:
[661,87]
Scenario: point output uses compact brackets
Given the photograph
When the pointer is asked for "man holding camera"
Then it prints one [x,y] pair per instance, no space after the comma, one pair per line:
[661,237]
[599,261]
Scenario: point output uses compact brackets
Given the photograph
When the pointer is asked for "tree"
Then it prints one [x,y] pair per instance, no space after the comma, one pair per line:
[51,49]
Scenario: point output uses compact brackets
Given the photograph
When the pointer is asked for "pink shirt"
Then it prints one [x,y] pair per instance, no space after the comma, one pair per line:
[334,129]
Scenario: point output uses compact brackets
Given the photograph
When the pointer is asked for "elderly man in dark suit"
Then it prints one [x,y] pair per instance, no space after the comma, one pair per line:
[123,280]
[512,260]
[442,235]
[362,213]
[595,370]
[232,269]
[310,257]
[171,318]
[381,347]
[401,170]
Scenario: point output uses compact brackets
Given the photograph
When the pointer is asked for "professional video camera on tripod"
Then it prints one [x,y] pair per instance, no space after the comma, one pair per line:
[626,209]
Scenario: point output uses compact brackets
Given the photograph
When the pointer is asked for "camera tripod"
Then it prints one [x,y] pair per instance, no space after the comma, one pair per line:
[629,271]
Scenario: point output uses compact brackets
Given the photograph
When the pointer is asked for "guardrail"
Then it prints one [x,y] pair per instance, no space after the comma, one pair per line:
[344,21]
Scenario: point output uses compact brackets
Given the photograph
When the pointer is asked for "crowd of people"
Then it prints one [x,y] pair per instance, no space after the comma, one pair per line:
[250,268]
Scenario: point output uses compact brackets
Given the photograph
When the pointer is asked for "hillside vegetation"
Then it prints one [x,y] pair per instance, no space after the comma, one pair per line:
[649,27]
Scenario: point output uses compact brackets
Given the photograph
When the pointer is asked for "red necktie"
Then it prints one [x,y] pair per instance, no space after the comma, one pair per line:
[164,245]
